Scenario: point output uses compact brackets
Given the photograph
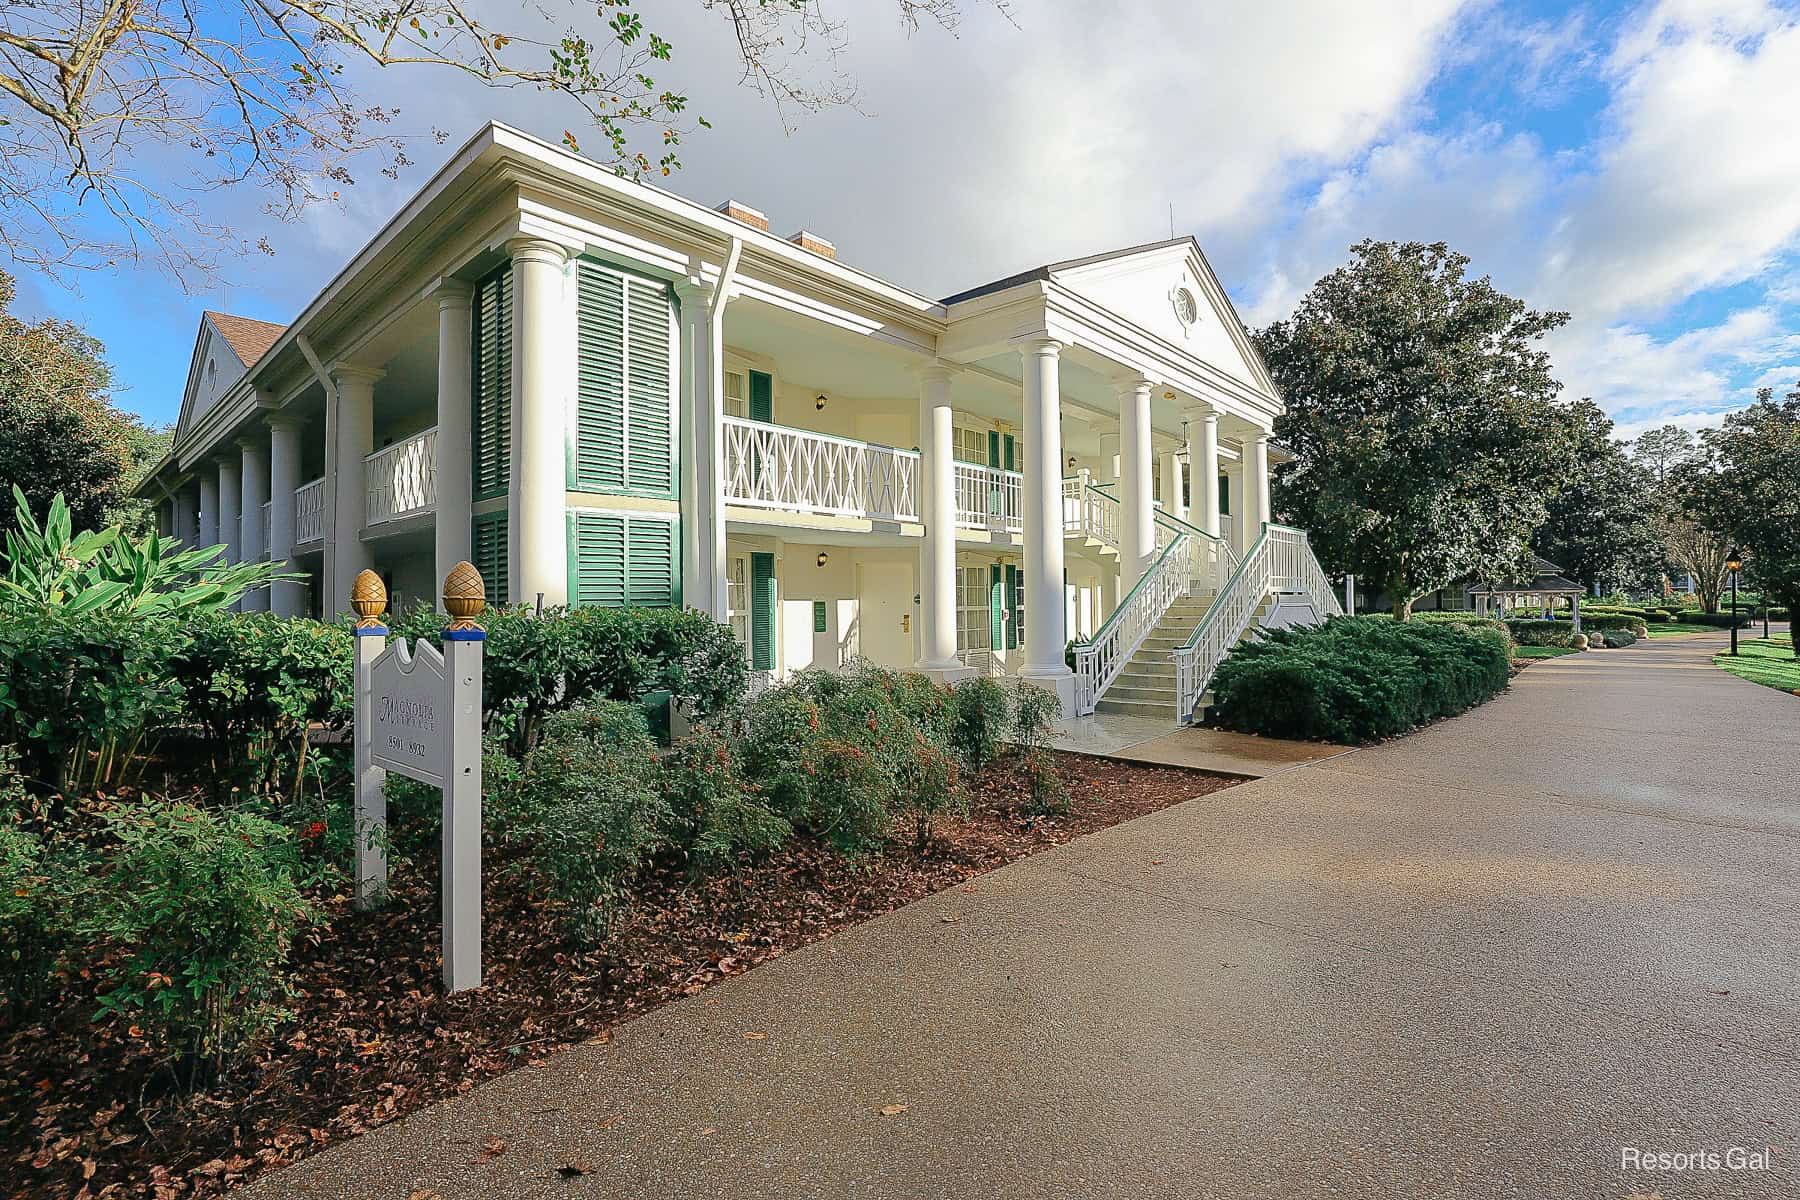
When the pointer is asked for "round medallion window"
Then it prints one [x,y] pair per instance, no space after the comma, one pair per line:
[1186,307]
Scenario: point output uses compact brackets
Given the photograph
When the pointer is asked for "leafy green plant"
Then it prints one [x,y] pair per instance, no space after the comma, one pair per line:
[1357,679]
[1036,711]
[85,697]
[592,786]
[715,816]
[982,717]
[30,920]
[50,567]
[196,913]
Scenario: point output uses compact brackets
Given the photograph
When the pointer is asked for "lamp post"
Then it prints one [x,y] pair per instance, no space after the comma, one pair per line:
[1733,562]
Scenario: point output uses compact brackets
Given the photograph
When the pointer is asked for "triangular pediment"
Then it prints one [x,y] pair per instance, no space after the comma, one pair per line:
[224,349]
[1170,290]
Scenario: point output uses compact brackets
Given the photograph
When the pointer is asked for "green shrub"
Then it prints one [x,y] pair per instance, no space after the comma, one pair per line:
[253,683]
[1036,711]
[1718,620]
[982,717]
[1466,618]
[29,919]
[84,697]
[196,912]
[1542,633]
[1357,679]
[715,816]
[591,785]
[536,665]
[780,733]
[1616,639]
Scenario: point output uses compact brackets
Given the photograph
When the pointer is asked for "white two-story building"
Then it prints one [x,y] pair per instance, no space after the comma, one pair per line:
[602,393]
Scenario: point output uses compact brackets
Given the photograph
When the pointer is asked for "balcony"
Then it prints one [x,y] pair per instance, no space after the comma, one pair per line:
[309,512]
[402,478]
[989,498]
[796,470]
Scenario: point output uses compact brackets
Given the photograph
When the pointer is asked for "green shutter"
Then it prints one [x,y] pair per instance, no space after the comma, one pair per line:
[1224,494]
[600,381]
[762,612]
[1015,582]
[762,396]
[821,621]
[996,608]
[624,440]
[650,402]
[616,561]
[491,437]
[994,448]
[1009,460]
[488,546]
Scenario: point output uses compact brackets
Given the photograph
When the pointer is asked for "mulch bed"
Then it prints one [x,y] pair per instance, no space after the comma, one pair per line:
[84,1113]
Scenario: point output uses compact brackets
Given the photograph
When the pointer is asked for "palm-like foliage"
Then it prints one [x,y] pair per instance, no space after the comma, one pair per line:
[50,567]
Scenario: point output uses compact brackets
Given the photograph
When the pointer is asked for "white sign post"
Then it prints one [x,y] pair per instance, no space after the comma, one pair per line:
[418,713]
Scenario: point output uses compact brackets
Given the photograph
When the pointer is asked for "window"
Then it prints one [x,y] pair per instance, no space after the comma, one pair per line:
[1156,482]
[1187,309]
[970,445]
[972,616]
[737,596]
[737,402]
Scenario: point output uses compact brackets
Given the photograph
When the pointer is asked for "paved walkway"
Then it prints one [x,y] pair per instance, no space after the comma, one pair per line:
[1475,963]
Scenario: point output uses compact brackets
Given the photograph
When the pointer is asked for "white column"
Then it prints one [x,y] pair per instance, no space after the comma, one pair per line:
[1044,628]
[1244,510]
[186,507]
[254,465]
[455,426]
[209,507]
[230,508]
[1257,472]
[1137,526]
[937,552]
[1172,501]
[540,421]
[355,442]
[703,569]
[1203,467]
[287,598]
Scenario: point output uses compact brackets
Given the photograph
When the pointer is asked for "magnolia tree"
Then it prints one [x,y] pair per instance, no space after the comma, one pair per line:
[1747,484]
[1421,411]
[112,115]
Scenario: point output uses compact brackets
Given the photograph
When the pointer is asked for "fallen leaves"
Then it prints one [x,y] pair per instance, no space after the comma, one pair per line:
[373,1038]
[894,1110]
[490,1150]
[575,1169]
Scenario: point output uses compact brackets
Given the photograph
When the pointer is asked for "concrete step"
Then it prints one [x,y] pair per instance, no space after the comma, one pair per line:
[1148,672]
[1153,693]
[1136,708]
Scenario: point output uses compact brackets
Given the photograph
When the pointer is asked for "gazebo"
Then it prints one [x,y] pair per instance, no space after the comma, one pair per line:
[1546,586]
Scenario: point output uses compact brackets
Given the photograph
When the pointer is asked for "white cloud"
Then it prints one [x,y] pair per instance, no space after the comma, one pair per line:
[1694,184]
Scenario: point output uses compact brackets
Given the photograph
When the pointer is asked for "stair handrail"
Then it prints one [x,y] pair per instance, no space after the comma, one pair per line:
[1223,555]
[1099,661]
[1236,605]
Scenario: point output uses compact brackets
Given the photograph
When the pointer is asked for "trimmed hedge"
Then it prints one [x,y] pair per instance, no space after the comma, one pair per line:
[1355,680]
[1544,633]
[1719,620]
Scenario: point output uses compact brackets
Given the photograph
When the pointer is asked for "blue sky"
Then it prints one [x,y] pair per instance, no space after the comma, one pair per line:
[1637,165]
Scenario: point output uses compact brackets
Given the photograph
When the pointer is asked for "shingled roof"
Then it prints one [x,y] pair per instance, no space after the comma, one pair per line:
[248,338]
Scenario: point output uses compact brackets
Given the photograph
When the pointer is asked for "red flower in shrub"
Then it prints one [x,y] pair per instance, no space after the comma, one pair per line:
[316,829]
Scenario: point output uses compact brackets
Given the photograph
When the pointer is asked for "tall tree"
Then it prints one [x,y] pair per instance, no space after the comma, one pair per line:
[1697,546]
[1602,528]
[1421,410]
[131,107]
[1751,490]
[61,431]
[1663,449]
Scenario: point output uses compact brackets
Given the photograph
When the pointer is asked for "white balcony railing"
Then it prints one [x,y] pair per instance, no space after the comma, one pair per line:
[309,512]
[1089,512]
[989,498]
[775,466]
[402,478]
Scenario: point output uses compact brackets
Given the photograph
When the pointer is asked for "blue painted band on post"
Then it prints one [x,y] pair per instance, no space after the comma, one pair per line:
[370,631]
[465,635]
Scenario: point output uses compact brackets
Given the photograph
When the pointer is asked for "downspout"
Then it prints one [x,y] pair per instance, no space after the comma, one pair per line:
[718,602]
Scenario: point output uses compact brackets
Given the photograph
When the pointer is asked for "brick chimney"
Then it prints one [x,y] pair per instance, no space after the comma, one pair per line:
[744,213]
[815,243]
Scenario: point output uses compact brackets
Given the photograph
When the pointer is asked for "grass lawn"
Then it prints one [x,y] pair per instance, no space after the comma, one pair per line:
[1543,651]
[1768,661]
[1676,628]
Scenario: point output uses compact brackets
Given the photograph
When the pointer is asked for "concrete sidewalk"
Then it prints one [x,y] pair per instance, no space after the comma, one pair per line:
[1478,962]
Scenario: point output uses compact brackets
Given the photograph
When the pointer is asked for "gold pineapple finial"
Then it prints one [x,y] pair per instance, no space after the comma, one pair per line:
[368,597]
[465,596]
